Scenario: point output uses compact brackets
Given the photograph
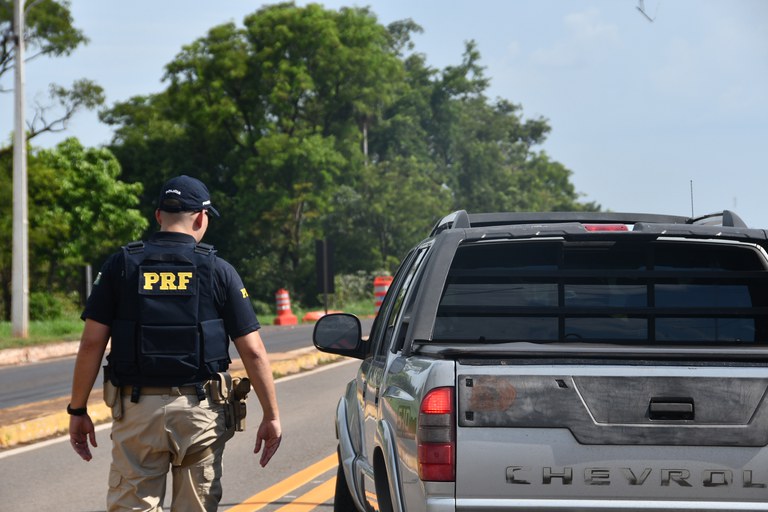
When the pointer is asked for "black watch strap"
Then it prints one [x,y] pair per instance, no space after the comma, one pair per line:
[82,411]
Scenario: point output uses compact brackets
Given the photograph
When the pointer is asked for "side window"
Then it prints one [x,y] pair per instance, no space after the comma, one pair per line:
[382,318]
[395,317]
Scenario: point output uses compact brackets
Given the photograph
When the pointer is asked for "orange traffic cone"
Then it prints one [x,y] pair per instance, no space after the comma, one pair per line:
[380,287]
[284,314]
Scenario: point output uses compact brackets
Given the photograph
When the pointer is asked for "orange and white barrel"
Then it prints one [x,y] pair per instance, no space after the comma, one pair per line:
[380,286]
[284,314]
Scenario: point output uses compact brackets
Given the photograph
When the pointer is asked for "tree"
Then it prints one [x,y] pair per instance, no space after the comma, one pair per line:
[481,151]
[273,116]
[81,211]
[394,206]
[89,210]
[545,185]
[311,123]
[49,32]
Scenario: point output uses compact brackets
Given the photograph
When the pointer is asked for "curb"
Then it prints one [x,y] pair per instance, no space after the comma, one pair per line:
[35,353]
[29,423]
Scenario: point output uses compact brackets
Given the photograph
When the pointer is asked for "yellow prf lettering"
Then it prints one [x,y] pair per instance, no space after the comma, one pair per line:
[167,280]
[150,279]
[244,292]
[184,278]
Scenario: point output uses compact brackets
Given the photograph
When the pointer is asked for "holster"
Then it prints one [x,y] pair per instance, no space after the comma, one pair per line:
[232,392]
[240,389]
[112,396]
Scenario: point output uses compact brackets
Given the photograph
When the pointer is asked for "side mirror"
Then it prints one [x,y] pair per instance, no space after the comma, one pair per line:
[339,333]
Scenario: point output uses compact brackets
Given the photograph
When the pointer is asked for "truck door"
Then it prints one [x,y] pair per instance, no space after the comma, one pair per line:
[384,336]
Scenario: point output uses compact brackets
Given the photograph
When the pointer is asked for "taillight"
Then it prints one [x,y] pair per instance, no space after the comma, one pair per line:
[436,436]
[606,227]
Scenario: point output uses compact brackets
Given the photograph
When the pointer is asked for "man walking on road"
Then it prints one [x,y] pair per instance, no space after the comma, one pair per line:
[170,306]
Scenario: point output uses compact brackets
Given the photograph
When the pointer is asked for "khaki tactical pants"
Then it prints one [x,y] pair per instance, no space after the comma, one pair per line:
[155,435]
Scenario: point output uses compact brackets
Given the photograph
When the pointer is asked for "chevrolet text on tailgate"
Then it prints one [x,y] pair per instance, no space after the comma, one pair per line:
[562,362]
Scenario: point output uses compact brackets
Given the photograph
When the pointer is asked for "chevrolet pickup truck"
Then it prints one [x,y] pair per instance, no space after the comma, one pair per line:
[562,362]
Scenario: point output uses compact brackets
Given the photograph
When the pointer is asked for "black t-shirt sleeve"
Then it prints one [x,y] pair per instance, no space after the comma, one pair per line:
[102,302]
[234,303]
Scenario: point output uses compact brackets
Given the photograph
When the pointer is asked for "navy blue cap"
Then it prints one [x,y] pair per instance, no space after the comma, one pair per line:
[185,194]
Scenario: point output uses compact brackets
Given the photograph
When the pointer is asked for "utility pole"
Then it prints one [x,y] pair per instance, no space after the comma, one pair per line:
[20,269]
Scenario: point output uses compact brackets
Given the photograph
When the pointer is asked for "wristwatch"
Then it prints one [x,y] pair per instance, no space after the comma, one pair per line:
[81,411]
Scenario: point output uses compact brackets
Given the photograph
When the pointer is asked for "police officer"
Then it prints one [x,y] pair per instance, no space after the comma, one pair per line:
[170,306]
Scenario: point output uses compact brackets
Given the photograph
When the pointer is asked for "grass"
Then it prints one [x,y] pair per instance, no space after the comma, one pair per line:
[42,332]
[69,329]
[359,308]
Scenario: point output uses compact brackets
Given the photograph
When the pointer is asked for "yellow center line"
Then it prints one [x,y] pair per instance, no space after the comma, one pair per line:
[312,499]
[280,489]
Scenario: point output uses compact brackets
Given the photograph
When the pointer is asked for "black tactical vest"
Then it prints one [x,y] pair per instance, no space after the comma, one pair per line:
[168,331]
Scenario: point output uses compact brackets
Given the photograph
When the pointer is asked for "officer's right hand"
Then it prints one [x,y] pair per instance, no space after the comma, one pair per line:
[81,431]
[270,434]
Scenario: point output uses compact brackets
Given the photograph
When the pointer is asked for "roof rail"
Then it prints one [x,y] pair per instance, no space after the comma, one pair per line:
[460,219]
[510,218]
[724,218]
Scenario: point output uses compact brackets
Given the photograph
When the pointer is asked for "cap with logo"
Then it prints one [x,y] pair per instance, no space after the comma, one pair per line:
[185,194]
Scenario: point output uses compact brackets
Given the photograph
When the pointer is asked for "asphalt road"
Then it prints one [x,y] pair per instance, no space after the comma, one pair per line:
[52,379]
[50,476]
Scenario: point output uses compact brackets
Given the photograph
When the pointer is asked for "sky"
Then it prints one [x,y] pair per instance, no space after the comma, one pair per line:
[664,116]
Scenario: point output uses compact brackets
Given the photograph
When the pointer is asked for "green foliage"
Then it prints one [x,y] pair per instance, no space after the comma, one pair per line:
[262,308]
[49,30]
[354,293]
[78,212]
[310,123]
[50,306]
[270,116]
[353,287]
[306,123]
[85,209]
[394,205]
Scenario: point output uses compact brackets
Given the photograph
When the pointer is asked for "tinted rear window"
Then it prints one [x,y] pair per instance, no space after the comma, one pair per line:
[660,292]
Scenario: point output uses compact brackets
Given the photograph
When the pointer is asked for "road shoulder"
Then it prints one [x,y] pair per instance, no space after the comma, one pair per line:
[34,422]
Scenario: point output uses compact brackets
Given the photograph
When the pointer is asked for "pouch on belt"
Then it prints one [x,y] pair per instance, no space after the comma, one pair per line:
[112,396]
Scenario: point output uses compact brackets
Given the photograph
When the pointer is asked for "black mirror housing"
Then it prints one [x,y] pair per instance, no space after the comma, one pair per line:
[339,333]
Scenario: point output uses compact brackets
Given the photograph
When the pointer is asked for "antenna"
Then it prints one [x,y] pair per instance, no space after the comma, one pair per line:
[641,8]
[692,214]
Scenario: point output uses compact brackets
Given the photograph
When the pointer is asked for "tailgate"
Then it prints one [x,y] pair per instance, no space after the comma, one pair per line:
[581,433]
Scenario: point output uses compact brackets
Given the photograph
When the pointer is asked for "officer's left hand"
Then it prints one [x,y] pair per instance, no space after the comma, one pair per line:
[270,434]
[81,430]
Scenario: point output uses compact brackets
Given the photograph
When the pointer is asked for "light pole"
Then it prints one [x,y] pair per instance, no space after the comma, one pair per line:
[20,269]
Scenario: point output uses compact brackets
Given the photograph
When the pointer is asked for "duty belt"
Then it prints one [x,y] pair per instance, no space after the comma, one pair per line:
[161,390]
[195,389]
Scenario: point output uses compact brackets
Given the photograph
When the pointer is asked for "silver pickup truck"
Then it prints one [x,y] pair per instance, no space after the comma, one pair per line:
[562,362]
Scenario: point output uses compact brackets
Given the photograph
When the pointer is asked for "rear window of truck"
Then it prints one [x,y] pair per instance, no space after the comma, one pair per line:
[661,292]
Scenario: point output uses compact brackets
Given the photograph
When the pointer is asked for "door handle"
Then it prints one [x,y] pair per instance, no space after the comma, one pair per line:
[671,408]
